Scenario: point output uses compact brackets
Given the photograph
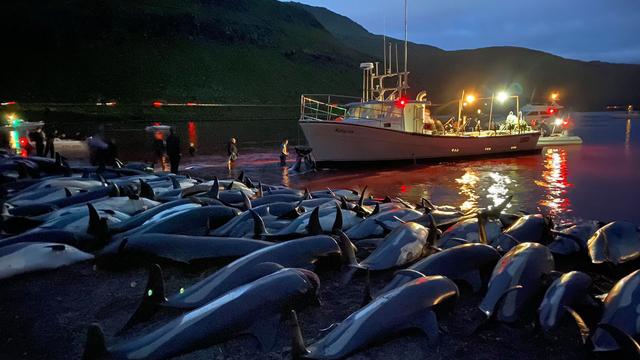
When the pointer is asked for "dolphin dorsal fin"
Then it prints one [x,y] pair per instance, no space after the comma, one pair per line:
[582,326]
[241,176]
[67,192]
[376,209]
[96,345]
[337,224]
[94,219]
[230,186]
[154,295]
[214,192]
[246,201]
[361,200]
[146,191]
[260,192]
[314,227]
[175,183]
[628,345]
[367,297]
[259,229]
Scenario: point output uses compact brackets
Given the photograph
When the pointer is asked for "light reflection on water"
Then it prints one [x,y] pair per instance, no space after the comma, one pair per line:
[554,181]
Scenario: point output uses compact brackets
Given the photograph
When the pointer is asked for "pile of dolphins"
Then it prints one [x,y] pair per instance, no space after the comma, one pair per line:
[270,245]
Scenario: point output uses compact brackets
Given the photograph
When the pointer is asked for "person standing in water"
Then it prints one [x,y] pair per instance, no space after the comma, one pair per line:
[284,152]
[173,150]
[49,149]
[38,138]
[232,152]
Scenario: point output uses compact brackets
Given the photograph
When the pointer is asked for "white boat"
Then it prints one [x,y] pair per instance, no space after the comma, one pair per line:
[374,131]
[553,115]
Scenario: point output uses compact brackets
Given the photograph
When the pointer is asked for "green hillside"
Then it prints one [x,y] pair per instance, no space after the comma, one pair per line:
[584,85]
[254,51]
[135,51]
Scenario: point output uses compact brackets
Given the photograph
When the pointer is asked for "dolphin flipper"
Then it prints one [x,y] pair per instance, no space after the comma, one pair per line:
[428,323]
[582,326]
[628,345]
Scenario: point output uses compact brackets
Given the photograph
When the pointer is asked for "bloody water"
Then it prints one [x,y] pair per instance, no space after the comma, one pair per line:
[597,180]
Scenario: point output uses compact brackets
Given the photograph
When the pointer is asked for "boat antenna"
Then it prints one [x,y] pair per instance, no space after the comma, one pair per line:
[405,47]
[384,43]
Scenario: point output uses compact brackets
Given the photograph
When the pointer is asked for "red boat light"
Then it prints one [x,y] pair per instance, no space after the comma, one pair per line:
[157,104]
[401,102]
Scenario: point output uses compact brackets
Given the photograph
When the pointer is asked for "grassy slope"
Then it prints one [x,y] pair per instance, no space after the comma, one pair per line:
[585,85]
[243,50]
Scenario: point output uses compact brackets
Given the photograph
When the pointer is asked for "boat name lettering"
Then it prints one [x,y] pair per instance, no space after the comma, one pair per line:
[344,131]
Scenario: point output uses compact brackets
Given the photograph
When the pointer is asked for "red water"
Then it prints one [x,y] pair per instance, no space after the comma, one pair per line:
[597,180]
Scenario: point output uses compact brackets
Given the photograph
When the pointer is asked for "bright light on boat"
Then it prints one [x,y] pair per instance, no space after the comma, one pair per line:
[502,96]
[11,116]
[558,121]
[555,96]
[471,99]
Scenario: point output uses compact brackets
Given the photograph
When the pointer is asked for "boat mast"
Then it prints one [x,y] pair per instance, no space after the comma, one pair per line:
[405,79]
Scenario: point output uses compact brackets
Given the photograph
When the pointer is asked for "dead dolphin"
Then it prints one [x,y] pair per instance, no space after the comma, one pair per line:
[620,311]
[529,228]
[412,305]
[516,278]
[295,253]
[79,241]
[161,211]
[574,239]
[373,226]
[468,231]
[467,262]
[181,249]
[255,308]
[27,257]
[616,242]
[569,289]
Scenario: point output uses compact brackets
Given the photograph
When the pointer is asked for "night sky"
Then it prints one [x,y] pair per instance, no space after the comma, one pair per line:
[606,30]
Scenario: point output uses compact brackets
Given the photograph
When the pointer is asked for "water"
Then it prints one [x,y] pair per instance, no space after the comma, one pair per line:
[597,180]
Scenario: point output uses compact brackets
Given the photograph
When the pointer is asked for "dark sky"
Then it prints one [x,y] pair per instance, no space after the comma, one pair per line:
[607,30]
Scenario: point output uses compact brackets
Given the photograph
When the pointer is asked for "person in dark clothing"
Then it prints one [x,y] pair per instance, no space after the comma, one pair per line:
[192,149]
[159,150]
[544,128]
[48,147]
[38,138]
[232,152]
[173,151]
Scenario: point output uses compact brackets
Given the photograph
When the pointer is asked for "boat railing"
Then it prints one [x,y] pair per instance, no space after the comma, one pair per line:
[324,107]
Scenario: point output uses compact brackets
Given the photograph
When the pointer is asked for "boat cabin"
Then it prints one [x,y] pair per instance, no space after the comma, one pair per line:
[401,115]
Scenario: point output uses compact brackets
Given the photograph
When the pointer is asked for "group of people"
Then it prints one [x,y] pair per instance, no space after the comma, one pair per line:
[44,142]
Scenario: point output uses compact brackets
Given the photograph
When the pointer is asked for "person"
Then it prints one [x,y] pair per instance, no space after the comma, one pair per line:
[284,152]
[38,138]
[173,150]
[192,149]
[49,149]
[232,152]
[159,150]
[98,149]
[544,128]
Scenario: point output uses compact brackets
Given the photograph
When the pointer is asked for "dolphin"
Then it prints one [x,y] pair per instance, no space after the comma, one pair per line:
[569,289]
[574,239]
[617,242]
[21,258]
[295,253]
[620,311]
[516,278]
[373,226]
[412,305]
[161,211]
[255,308]
[182,249]
[468,231]
[467,262]
[130,205]
[529,228]
[79,241]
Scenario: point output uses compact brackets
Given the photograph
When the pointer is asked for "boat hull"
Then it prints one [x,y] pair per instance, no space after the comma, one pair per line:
[335,143]
[559,140]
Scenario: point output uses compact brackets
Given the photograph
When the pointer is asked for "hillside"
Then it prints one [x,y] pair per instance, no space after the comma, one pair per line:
[254,51]
[584,85]
[137,50]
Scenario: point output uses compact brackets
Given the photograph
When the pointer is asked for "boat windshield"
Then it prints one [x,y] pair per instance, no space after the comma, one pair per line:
[375,111]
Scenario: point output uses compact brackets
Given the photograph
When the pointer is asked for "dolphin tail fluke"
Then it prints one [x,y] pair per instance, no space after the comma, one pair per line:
[337,224]
[146,191]
[96,346]
[259,229]
[152,298]
[582,325]
[314,227]
[298,350]
[628,345]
